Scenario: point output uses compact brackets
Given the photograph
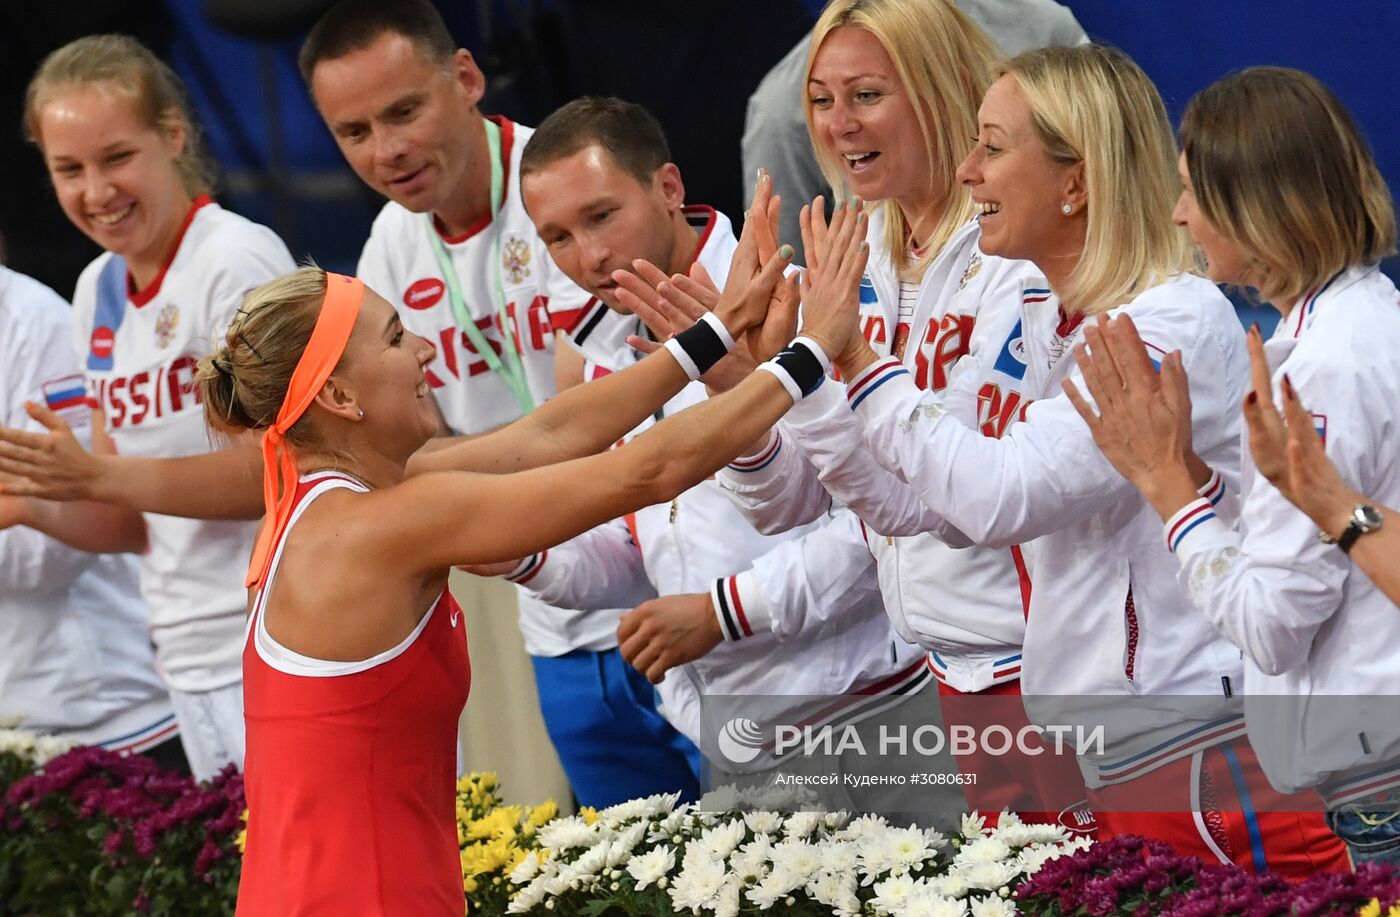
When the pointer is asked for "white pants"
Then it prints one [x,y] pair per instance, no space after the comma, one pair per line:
[211,728]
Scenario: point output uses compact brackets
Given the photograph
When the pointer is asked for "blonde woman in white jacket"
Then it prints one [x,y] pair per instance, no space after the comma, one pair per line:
[1110,638]
[1305,225]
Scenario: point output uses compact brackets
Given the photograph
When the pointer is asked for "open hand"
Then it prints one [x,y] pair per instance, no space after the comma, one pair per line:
[1287,450]
[836,259]
[1143,421]
[666,632]
[1268,437]
[51,465]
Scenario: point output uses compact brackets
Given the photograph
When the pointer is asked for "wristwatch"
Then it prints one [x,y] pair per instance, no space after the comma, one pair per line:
[1364,519]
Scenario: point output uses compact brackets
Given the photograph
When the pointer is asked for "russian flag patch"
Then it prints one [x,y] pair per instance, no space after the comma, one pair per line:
[66,392]
[1320,425]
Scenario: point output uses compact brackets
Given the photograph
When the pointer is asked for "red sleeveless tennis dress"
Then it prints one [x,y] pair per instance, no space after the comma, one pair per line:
[351,768]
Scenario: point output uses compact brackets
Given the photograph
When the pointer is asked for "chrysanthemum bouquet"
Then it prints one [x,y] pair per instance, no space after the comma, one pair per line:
[734,853]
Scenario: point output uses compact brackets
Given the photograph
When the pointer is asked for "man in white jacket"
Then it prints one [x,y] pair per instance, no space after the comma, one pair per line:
[779,630]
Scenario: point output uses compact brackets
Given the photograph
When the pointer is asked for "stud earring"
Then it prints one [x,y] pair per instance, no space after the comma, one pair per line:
[1066,209]
[362,413]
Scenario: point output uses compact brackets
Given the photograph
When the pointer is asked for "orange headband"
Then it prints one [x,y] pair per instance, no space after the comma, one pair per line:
[339,310]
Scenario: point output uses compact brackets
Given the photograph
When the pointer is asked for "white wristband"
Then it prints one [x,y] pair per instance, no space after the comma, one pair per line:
[782,375]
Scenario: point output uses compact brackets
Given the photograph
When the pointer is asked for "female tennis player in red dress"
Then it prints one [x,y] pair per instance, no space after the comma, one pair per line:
[355,659]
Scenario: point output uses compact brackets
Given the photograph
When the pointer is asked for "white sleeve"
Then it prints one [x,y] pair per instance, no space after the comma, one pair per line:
[29,560]
[374,268]
[600,569]
[1046,473]
[1268,584]
[800,584]
[775,488]
[830,437]
[245,264]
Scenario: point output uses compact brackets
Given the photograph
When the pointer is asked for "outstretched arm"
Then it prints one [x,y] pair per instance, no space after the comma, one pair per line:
[439,520]
[53,465]
[587,419]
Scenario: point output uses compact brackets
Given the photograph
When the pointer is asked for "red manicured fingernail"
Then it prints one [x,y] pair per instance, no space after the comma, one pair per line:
[1251,398]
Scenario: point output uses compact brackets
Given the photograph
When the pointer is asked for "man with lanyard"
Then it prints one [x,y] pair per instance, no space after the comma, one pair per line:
[455,252]
[778,629]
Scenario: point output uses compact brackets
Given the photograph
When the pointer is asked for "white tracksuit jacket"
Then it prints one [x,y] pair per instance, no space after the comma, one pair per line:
[1087,535]
[963,605]
[1321,642]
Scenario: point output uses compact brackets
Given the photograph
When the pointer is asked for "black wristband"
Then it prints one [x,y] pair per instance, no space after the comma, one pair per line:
[700,348]
[802,366]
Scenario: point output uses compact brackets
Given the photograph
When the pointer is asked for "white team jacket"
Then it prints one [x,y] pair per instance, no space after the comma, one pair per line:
[963,605]
[77,658]
[1309,622]
[139,351]
[808,622]
[1088,536]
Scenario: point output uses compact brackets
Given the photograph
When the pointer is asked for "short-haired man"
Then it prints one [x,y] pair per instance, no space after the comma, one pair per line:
[760,616]
[454,247]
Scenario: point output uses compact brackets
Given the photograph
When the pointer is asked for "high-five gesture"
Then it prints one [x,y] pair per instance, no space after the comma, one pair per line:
[758,305]
[836,259]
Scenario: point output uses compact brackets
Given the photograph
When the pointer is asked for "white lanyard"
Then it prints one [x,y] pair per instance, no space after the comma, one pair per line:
[510,370]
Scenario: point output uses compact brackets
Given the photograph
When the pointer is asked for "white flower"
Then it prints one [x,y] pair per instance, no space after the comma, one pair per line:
[987,875]
[926,904]
[1016,833]
[835,821]
[908,847]
[777,884]
[718,842]
[667,827]
[993,906]
[721,799]
[698,882]
[973,825]
[527,870]
[1035,856]
[798,856]
[566,833]
[878,855]
[763,822]
[863,827]
[983,850]
[527,898]
[751,862]
[840,857]
[624,811]
[651,866]
[622,846]
[837,890]
[802,824]
[726,903]
[948,886]
[892,894]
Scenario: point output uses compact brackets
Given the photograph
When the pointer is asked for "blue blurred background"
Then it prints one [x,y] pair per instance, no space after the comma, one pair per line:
[693,64]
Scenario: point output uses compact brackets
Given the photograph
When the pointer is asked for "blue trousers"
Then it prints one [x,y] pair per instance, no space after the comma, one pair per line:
[601,716]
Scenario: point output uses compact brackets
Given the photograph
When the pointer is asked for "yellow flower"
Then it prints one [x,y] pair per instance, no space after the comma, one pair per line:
[501,822]
[1371,910]
[541,815]
[242,839]
[589,814]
